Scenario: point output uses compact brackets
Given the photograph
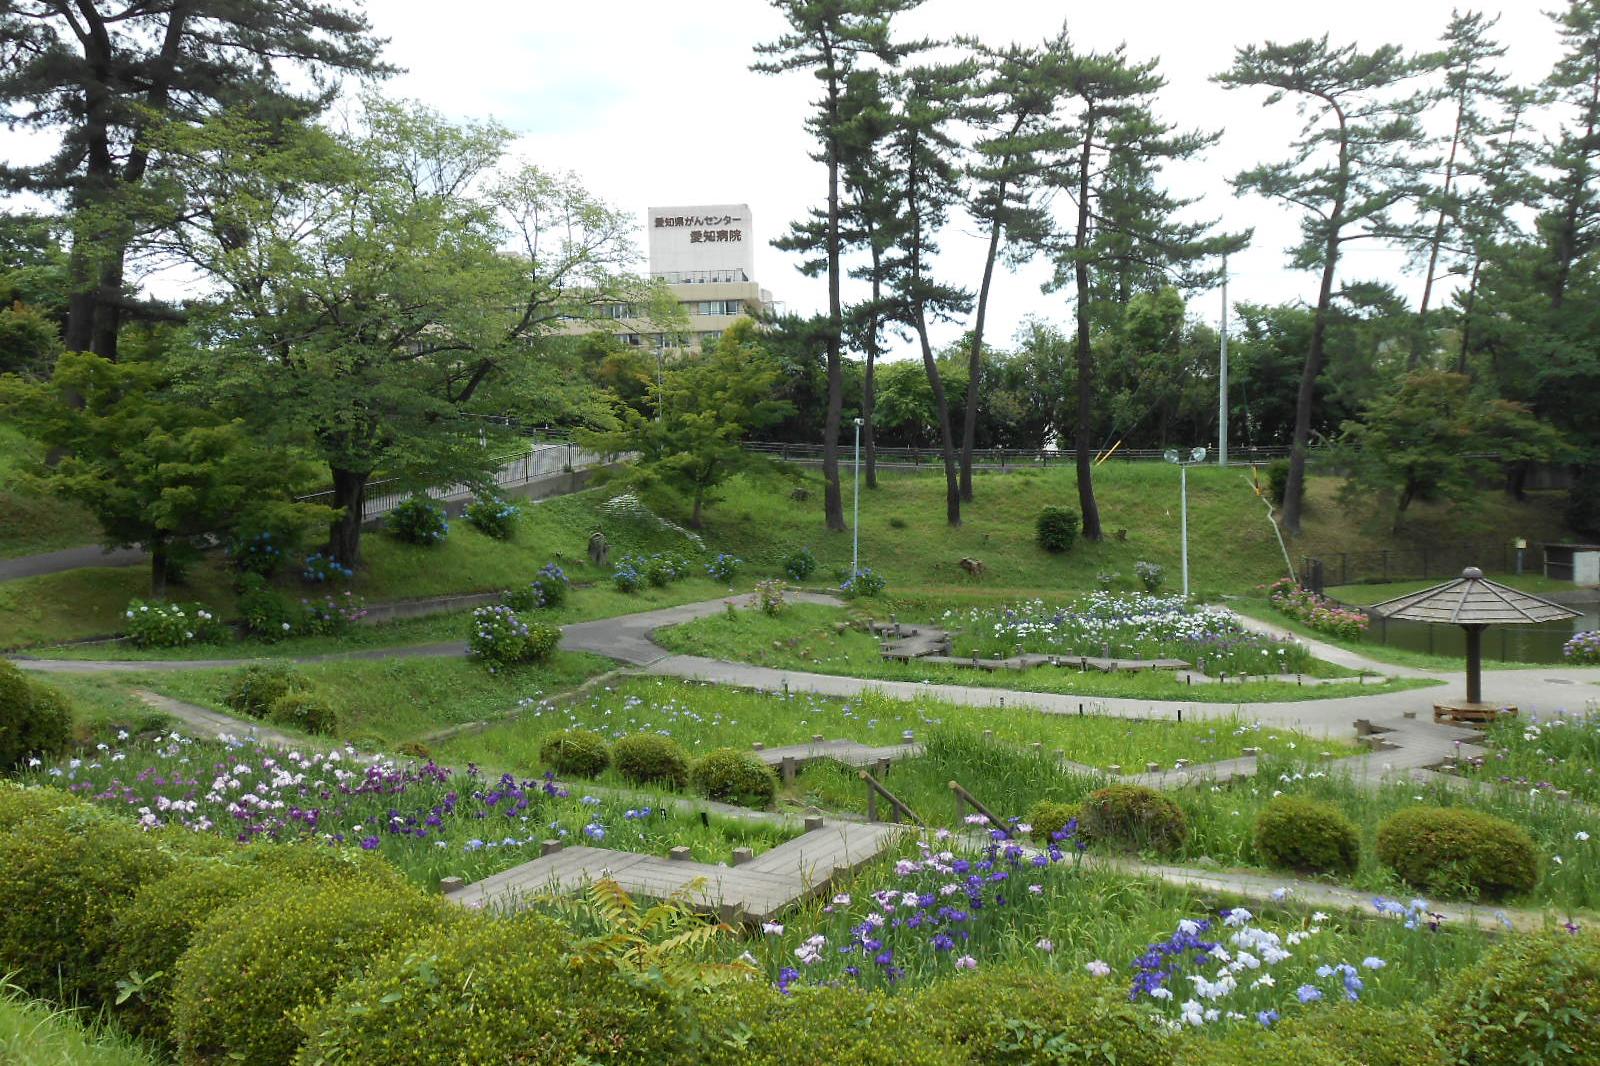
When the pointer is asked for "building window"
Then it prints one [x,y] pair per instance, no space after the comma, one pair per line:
[632,340]
[709,338]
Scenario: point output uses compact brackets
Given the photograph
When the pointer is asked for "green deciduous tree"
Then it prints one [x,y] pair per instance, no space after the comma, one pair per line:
[380,285]
[712,402]
[102,76]
[1432,438]
[1348,170]
[154,469]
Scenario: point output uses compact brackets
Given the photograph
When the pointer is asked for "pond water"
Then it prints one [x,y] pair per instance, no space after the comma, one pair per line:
[1514,644]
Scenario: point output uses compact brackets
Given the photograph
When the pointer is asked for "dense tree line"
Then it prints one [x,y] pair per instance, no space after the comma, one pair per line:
[389,293]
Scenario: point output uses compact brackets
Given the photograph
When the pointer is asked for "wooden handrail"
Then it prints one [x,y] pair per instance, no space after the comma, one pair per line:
[875,789]
[962,794]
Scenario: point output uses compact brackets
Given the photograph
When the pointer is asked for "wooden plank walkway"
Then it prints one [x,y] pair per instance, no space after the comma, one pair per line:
[849,752]
[753,891]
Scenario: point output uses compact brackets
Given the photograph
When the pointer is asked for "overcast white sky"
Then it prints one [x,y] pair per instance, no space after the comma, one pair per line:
[620,91]
[654,103]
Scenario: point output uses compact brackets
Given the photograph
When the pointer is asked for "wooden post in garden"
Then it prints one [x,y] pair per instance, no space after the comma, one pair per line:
[743,855]
[787,769]
[681,853]
[550,847]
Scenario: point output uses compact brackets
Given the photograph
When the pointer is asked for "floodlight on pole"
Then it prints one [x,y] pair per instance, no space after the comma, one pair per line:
[1183,462]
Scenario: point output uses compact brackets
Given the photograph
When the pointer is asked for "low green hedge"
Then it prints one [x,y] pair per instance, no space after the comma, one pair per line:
[35,719]
[735,776]
[256,962]
[1533,999]
[486,989]
[650,758]
[1018,1017]
[1133,816]
[1301,834]
[1456,852]
[576,752]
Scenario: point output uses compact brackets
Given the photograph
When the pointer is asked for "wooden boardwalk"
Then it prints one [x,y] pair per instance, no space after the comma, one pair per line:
[751,891]
[848,752]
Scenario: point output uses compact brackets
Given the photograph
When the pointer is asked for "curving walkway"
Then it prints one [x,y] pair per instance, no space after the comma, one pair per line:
[1414,741]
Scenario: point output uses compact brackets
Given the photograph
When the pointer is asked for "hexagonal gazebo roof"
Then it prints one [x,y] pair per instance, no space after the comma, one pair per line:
[1473,599]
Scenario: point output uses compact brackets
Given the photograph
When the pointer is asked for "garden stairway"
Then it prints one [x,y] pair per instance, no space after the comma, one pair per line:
[753,890]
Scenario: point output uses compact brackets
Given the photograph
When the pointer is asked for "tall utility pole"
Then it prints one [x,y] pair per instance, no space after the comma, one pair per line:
[1222,378]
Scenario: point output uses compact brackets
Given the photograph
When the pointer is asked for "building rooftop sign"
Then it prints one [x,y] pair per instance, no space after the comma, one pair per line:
[702,237]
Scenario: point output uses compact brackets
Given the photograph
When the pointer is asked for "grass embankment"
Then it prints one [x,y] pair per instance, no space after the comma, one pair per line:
[1365,595]
[903,534]
[704,716]
[89,602]
[40,1034]
[30,522]
[390,701]
[807,637]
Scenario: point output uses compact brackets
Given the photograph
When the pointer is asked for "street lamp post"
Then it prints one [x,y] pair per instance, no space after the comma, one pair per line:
[1183,462]
[855,515]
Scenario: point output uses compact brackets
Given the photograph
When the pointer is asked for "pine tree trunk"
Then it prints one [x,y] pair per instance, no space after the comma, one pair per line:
[1083,447]
[969,421]
[947,445]
[833,499]
[349,495]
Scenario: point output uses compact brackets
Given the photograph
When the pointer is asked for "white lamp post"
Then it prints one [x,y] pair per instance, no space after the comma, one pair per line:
[1195,455]
[855,516]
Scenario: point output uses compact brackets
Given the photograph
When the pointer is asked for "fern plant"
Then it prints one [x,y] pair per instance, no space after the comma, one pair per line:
[666,943]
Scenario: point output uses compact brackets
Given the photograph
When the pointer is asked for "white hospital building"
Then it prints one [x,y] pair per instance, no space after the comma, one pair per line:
[705,254]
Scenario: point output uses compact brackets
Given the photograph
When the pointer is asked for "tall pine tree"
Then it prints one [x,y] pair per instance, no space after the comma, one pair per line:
[830,38]
[1348,170]
[103,76]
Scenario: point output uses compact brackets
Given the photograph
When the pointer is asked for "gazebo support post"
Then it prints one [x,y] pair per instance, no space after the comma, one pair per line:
[1474,662]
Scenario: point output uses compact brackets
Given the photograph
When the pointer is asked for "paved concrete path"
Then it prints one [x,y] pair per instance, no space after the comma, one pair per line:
[70,559]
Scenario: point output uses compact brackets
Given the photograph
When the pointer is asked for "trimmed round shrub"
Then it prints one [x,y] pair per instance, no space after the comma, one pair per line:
[255,687]
[1533,999]
[35,719]
[153,930]
[1049,817]
[800,564]
[418,520]
[752,1024]
[307,710]
[254,962]
[576,752]
[61,883]
[1248,1043]
[487,989]
[735,776]
[1277,480]
[650,758]
[1133,816]
[1456,852]
[1018,1017]
[1056,528]
[1299,834]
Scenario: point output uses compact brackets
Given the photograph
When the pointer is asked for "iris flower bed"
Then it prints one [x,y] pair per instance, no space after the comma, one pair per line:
[428,820]
[1128,627]
[1552,754]
[949,910]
